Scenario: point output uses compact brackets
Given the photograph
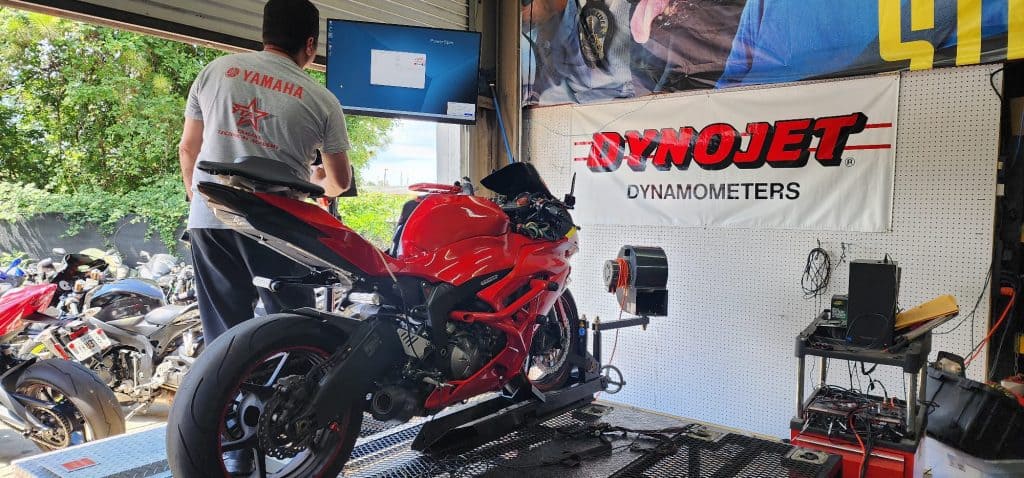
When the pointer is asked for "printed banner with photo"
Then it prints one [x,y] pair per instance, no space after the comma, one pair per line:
[581,51]
[818,156]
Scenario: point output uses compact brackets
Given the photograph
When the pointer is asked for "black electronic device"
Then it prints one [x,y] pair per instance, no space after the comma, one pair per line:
[837,411]
[638,277]
[840,306]
[871,307]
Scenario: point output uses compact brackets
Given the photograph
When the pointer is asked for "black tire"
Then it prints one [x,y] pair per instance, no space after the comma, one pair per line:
[197,419]
[94,405]
[565,312]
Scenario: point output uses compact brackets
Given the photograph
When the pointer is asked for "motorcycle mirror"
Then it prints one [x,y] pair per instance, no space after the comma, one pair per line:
[570,199]
[59,251]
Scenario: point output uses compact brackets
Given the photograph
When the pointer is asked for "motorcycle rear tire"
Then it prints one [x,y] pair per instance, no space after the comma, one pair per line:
[94,401]
[194,424]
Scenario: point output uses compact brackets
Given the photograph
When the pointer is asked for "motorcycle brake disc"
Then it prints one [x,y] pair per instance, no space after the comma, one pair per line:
[279,434]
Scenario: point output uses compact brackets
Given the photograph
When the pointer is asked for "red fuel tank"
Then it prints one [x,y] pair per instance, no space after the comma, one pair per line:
[443,219]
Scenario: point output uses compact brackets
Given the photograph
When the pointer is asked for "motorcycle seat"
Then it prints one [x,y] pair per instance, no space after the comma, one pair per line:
[263,170]
[164,315]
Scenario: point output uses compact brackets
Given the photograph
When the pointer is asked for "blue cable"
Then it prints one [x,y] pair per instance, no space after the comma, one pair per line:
[501,124]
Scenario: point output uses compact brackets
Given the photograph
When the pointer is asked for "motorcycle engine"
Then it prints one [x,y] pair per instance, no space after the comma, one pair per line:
[470,348]
[172,371]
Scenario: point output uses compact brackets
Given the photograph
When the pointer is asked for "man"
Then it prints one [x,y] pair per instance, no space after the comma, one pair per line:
[258,104]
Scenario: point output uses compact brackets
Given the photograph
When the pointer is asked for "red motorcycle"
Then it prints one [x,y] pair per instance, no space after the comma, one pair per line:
[55,403]
[471,299]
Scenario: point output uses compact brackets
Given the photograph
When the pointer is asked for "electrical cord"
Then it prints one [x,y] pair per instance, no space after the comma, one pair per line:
[992,82]
[1010,324]
[872,381]
[1012,294]
[974,310]
[817,273]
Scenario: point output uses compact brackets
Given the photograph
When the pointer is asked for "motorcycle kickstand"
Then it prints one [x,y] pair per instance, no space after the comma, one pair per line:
[142,407]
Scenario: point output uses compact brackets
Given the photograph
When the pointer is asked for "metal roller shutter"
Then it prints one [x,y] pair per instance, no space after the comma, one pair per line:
[236,24]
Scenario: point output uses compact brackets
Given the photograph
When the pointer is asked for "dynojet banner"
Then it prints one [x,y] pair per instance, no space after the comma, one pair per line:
[580,51]
[814,156]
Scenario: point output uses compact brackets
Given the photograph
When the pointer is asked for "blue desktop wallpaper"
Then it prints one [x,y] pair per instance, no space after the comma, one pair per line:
[452,62]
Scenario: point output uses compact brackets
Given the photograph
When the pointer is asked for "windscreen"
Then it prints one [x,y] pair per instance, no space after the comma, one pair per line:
[515,179]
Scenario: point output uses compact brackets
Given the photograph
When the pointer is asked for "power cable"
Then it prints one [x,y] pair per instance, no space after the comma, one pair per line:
[817,273]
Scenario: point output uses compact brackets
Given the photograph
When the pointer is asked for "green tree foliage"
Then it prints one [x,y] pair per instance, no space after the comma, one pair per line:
[373,215]
[90,119]
[90,105]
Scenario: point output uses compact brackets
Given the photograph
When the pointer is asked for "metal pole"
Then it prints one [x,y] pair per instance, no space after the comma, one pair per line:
[823,376]
[800,387]
[912,403]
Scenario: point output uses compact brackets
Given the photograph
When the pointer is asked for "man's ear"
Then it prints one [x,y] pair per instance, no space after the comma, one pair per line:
[311,46]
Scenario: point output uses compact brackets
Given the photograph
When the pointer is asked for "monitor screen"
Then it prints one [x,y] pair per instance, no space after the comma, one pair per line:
[400,71]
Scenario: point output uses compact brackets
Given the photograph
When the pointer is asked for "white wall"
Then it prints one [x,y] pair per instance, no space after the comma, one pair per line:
[725,354]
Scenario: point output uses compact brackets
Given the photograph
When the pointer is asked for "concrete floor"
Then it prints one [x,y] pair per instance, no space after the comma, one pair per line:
[13,446]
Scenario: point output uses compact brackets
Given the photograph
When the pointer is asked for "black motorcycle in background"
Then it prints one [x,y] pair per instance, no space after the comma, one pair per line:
[145,345]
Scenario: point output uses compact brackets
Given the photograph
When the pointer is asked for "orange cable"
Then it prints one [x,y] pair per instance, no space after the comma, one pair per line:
[863,449]
[1005,291]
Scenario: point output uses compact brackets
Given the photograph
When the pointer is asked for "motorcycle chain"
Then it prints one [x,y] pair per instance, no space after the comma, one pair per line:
[58,422]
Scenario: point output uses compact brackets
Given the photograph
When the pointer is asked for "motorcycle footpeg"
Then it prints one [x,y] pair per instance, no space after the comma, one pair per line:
[265,283]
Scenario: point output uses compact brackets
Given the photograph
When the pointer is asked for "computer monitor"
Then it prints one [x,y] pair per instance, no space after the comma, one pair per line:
[398,71]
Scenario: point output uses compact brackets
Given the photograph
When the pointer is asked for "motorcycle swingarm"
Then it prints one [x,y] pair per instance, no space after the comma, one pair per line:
[372,349]
[14,401]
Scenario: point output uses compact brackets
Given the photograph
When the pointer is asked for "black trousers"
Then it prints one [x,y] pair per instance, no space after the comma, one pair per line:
[225,263]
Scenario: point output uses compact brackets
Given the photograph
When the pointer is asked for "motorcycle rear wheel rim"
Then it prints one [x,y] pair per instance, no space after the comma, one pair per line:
[305,463]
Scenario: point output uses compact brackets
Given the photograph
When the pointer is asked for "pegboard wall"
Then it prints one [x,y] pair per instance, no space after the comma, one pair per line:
[725,354]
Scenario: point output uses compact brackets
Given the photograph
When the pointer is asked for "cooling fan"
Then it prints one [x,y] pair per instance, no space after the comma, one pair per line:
[638,277]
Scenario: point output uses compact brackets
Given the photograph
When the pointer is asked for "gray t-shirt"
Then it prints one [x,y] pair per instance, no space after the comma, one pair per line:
[260,104]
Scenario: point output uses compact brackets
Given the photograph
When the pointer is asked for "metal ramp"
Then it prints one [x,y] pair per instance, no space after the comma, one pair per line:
[563,446]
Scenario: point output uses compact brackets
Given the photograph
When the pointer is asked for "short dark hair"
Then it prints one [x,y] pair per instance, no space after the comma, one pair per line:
[288,23]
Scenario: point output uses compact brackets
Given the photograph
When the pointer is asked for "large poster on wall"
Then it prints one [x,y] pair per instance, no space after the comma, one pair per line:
[813,156]
[581,51]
